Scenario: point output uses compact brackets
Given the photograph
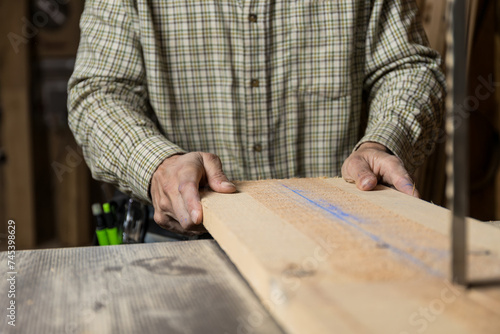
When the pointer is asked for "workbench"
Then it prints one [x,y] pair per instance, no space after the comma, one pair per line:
[173,287]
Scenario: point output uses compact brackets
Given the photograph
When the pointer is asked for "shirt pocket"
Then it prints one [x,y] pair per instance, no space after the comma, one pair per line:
[323,38]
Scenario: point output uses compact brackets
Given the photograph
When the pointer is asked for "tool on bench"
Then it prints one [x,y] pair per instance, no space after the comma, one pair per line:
[113,229]
[125,220]
[100,231]
[135,222]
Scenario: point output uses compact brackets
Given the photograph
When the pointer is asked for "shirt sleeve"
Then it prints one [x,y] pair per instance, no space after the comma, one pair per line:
[403,82]
[108,107]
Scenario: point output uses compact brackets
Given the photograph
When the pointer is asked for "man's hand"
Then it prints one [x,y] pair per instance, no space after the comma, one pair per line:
[371,163]
[174,190]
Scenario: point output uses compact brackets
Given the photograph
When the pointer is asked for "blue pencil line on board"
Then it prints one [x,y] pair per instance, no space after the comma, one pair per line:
[342,216]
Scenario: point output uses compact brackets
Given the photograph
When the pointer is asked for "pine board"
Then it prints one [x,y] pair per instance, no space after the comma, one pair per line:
[176,287]
[325,257]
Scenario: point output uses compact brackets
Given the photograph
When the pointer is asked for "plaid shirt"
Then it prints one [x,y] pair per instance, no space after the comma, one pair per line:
[275,88]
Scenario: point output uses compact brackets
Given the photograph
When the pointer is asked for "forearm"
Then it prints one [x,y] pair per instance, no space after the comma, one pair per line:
[121,144]
[108,110]
[405,84]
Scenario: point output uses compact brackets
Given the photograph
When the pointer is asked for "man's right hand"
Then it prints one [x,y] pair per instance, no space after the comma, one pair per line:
[175,190]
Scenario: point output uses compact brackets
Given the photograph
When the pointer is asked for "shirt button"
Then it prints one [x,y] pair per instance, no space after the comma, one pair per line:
[257,148]
[255,83]
[252,18]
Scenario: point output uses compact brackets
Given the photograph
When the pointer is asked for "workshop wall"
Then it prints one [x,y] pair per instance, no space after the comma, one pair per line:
[45,184]
[482,109]
[68,202]
[482,104]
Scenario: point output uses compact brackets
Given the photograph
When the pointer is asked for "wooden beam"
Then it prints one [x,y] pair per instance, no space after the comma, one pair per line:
[16,124]
[325,257]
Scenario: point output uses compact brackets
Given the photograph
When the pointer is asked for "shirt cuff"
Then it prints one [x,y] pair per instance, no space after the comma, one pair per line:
[395,138]
[144,160]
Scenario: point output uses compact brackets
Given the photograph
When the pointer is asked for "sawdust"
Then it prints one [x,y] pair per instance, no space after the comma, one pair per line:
[371,243]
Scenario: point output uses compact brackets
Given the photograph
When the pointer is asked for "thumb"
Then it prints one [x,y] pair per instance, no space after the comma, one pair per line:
[356,169]
[216,178]
[396,174]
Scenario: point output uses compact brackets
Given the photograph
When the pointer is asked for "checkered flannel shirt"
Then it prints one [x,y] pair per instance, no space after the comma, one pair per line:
[275,88]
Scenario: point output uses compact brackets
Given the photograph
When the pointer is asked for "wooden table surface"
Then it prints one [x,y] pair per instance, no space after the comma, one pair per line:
[175,287]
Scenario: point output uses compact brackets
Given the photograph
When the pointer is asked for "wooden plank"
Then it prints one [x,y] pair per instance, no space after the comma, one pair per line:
[16,124]
[178,287]
[325,257]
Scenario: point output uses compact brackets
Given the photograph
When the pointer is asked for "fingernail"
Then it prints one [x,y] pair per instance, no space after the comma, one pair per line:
[227,184]
[194,216]
[367,183]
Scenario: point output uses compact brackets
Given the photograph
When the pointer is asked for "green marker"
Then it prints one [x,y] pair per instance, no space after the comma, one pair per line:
[100,231]
[111,228]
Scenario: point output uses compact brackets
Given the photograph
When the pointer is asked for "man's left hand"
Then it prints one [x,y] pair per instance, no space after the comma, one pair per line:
[372,163]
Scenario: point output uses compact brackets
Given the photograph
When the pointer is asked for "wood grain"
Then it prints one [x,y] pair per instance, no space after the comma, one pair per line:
[325,257]
[178,287]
